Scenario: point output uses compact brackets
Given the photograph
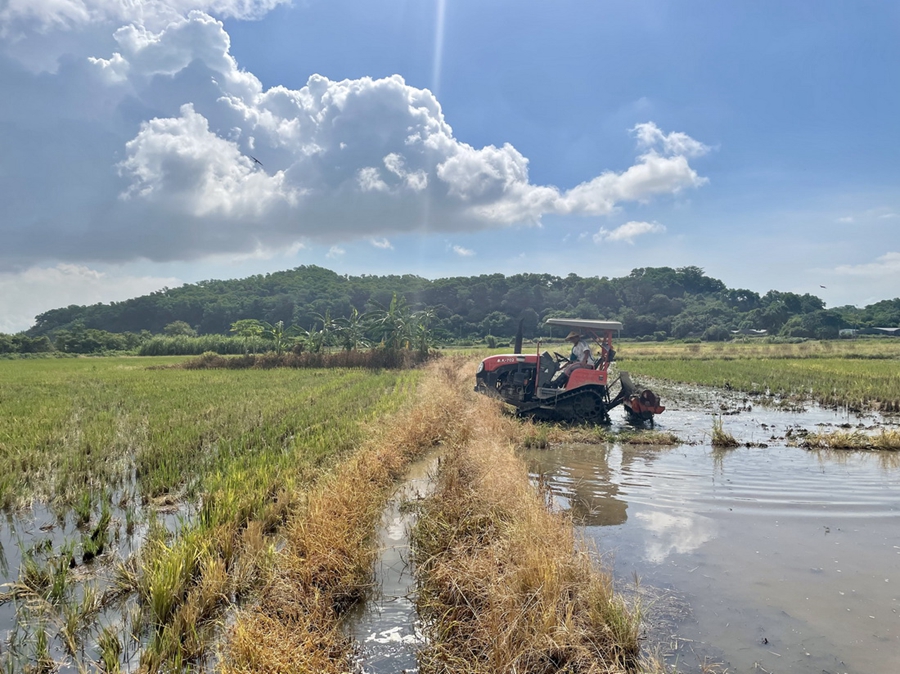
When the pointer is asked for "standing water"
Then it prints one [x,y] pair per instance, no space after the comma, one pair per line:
[767,558]
[385,627]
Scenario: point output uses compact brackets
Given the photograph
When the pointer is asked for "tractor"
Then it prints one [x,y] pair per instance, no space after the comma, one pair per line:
[531,382]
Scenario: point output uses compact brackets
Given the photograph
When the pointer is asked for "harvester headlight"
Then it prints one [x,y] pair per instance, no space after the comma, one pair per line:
[480,368]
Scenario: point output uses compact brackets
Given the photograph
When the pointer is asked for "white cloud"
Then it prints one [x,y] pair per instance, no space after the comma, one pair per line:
[675,143]
[463,252]
[884,268]
[335,252]
[868,216]
[628,232]
[39,289]
[382,243]
[46,15]
[156,146]
[179,161]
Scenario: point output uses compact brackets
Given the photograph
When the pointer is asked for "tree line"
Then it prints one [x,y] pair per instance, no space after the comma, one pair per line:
[655,303]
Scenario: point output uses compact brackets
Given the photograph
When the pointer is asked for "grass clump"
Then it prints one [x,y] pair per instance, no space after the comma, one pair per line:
[721,438]
[504,586]
[886,439]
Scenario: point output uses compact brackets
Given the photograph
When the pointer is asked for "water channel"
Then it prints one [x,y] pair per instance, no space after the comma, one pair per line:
[768,558]
[385,628]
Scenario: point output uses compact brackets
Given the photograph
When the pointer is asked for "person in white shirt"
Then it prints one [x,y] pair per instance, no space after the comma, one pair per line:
[579,358]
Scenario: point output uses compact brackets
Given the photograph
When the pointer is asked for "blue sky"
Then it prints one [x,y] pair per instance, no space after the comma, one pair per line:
[757,140]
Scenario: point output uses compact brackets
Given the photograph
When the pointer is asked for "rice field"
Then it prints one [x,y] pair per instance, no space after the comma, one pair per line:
[858,375]
[887,348]
[143,502]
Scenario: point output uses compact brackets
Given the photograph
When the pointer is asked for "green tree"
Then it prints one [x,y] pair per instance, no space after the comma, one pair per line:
[179,328]
[249,329]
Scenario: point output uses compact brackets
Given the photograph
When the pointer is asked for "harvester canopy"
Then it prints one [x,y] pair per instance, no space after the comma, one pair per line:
[585,324]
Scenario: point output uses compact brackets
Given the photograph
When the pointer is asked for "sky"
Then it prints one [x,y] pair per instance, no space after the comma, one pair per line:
[150,144]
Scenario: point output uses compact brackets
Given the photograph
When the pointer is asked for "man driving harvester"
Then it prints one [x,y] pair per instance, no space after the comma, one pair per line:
[579,358]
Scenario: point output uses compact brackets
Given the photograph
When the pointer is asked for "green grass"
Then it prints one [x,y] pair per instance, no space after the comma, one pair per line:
[861,376]
[71,428]
[107,442]
[886,439]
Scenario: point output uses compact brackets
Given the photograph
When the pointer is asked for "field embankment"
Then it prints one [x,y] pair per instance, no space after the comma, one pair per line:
[327,562]
[504,584]
[859,375]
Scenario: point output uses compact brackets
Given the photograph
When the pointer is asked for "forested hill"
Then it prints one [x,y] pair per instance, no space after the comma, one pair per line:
[660,302]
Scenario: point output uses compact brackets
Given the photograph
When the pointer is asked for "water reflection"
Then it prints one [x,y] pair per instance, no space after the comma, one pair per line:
[670,534]
[778,558]
[586,480]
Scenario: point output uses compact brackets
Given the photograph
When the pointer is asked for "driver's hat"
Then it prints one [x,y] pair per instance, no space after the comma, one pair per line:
[572,334]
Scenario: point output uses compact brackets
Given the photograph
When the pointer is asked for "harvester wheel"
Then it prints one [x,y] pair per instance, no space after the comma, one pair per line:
[587,408]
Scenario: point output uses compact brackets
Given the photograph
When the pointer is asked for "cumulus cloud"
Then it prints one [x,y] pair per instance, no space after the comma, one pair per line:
[45,15]
[39,289]
[335,252]
[628,232]
[179,160]
[147,151]
[462,252]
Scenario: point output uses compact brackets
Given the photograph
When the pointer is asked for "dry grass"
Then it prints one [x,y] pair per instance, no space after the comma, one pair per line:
[505,586]
[373,359]
[885,439]
[326,564]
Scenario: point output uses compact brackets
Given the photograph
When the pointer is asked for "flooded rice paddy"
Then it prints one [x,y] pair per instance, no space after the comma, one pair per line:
[767,558]
[763,558]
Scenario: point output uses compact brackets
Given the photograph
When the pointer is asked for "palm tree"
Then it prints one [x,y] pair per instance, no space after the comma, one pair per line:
[322,337]
[351,331]
[277,334]
[393,325]
[422,328]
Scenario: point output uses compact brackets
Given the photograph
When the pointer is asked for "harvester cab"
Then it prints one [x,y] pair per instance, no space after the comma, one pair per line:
[531,383]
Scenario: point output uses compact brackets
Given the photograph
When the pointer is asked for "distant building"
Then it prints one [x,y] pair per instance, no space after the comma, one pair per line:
[750,332]
[848,332]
